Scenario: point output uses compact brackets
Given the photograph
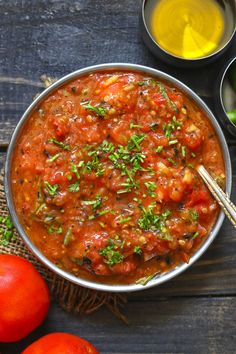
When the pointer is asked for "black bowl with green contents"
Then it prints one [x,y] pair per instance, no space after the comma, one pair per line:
[225,97]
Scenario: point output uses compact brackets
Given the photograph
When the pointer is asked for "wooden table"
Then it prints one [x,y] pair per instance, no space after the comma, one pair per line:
[194,313]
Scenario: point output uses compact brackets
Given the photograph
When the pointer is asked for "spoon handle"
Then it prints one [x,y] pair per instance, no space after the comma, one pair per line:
[228,207]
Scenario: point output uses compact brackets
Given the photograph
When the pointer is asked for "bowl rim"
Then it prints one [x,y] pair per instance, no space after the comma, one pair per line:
[222,80]
[177,57]
[163,277]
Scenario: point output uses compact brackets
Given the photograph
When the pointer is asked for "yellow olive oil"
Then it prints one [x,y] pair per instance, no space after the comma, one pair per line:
[188,28]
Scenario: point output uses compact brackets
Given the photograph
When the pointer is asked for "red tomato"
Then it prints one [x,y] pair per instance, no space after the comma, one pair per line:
[198,197]
[60,343]
[24,298]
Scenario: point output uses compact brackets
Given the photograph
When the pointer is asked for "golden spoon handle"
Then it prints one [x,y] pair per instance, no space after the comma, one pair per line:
[228,207]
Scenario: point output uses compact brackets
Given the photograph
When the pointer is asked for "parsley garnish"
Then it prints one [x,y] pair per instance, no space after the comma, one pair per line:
[151,221]
[171,161]
[74,169]
[195,235]
[74,187]
[169,128]
[159,149]
[67,237]
[135,141]
[111,255]
[137,250]
[53,158]
[173,142]
[54,230]
[194,214]
[183,151]
[95,203]
[6,233]
[59,143]
[166,97]
[124,220]
[52,190]
[151,187]
[133,126]
[99,110]
[100,213]
[147,279]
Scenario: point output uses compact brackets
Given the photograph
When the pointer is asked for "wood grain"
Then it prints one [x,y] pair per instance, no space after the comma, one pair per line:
[166,326]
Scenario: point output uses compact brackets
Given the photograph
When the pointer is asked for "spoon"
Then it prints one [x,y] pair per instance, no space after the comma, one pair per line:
[228,207]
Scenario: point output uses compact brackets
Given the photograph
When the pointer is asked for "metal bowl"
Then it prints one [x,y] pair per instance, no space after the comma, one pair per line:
[108,67]
[229,9]
[225,97]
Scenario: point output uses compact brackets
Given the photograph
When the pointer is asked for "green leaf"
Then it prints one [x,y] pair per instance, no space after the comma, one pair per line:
[54,230]
[67,237]
[99,110]
[137,250]
[59,143]
[74,187]
[52,190]
[135,141]
[111,255]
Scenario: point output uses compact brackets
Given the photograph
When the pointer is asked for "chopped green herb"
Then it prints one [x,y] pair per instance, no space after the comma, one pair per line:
[95,165]
[137,250]
[171,127]
[124,220]
[183,151]
[171,161]
[95,203]
[53,158]
[6,233]
[147,279]
[135,141]
[74,187]
[151,221]
[99,110]
[106,146]
[54,230]
[100,213]
[166,97]
[133,126]
[151,187]
[74,169]
[59,143]
[52,190]
[193,154]
[194,214]
[111,255]
[159,149]
[173,142]
[195,235]
[67,237]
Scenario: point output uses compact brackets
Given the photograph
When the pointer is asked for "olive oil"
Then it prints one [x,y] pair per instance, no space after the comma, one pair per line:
[188,28]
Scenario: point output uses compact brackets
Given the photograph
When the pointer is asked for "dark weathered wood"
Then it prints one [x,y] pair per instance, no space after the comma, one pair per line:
[56,37]
[166,326]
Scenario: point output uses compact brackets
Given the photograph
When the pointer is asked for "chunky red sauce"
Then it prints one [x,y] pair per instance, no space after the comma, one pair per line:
[104,177]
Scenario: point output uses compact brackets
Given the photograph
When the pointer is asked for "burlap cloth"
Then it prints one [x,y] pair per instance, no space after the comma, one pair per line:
[70,297]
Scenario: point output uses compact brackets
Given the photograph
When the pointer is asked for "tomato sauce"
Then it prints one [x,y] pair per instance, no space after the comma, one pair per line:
[104,177]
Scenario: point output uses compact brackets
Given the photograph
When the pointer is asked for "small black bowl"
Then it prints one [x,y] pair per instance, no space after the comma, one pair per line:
[225,95]
[229,8]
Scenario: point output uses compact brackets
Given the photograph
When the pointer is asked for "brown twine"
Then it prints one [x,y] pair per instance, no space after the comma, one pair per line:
[70,297]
